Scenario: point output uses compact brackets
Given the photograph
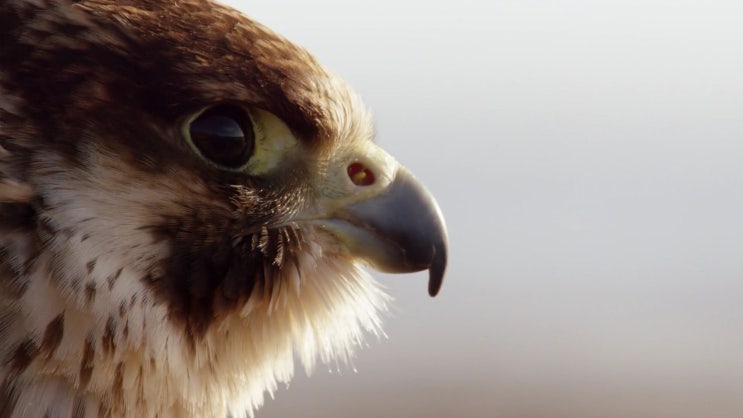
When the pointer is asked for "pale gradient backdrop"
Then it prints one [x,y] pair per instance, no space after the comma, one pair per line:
[588,157]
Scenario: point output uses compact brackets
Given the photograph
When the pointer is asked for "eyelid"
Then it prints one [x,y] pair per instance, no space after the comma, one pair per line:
[274,141]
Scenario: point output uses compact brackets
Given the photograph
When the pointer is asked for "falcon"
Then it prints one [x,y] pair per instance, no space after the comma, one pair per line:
[188,202]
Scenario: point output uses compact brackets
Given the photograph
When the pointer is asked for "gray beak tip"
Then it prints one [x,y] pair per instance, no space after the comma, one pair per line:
[437,266]
[436,276]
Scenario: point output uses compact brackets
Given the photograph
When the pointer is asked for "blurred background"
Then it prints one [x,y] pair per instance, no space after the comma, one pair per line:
[588,157]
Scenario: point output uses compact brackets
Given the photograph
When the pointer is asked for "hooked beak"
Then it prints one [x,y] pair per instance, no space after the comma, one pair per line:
[399,230]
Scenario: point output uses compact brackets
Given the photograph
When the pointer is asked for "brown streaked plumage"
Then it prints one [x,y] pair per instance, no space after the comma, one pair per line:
[186,200]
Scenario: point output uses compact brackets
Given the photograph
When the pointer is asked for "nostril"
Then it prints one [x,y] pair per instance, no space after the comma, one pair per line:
[360,175]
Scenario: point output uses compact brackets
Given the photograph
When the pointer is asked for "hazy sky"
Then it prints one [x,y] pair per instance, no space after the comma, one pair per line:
[588,157]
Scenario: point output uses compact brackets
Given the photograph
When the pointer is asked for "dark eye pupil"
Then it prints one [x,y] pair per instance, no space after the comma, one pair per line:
[224,135]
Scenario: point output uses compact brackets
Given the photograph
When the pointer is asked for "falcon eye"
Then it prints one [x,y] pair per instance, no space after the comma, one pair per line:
[223,135]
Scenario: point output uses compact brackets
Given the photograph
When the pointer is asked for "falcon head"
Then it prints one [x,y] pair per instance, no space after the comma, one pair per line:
[187,200]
